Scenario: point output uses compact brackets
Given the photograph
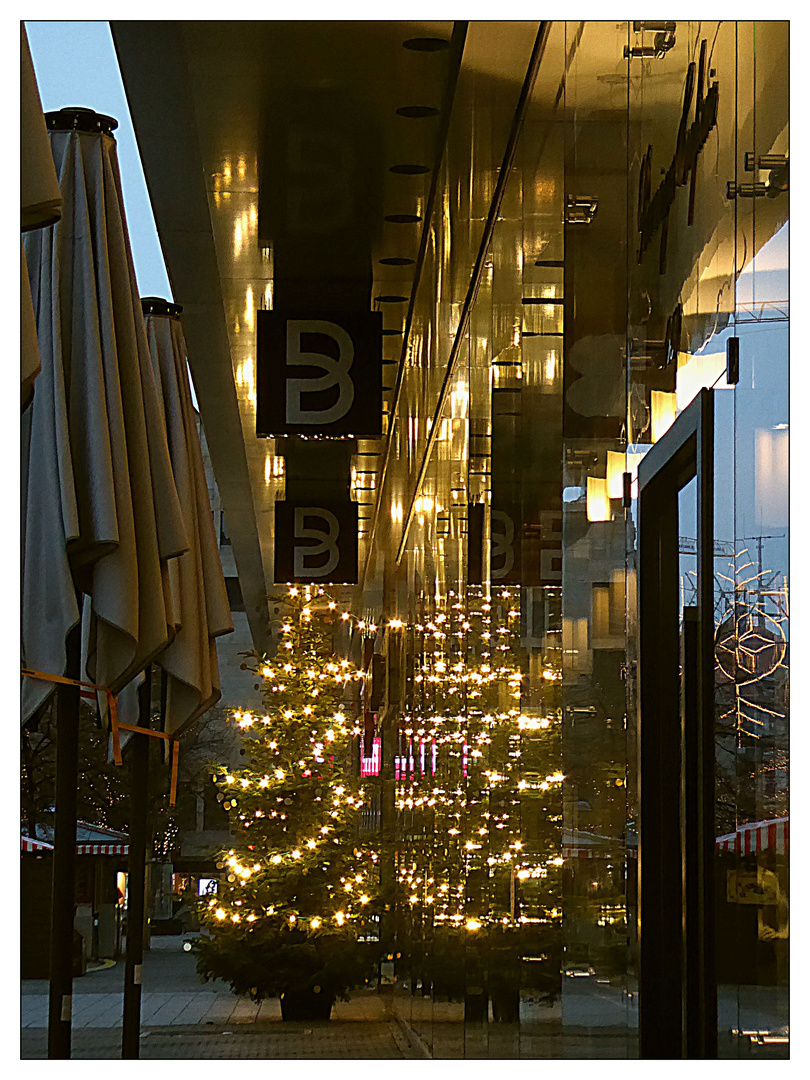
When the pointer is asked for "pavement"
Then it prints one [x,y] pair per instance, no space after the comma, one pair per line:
[181,1017]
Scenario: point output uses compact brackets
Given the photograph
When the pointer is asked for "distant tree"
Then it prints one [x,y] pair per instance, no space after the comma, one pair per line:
[102,787]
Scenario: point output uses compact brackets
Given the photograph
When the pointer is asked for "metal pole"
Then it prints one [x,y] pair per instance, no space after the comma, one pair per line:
[691,837]
[138,779]
[60,1006]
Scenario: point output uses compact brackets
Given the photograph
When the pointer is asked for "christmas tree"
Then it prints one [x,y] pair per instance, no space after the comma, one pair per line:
[300,896]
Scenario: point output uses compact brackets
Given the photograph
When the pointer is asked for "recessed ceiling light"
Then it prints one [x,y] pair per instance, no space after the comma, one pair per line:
[403,219]
[426,44]
[417,112]
[410,170]
[396,261]
[391,299]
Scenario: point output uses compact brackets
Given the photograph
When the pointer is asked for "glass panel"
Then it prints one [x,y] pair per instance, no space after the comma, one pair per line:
[751,582]
[475,759]
[599,843]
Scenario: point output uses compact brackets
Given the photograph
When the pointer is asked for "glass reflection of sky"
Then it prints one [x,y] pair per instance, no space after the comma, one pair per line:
[751,433]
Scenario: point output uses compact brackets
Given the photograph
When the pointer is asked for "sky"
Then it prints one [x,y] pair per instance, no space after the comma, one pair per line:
[75,64]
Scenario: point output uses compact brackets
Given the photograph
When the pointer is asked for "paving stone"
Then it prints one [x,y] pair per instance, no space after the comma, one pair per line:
[350,1040]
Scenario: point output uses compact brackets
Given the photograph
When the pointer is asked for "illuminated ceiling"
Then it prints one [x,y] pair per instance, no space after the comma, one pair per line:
[202,97]
[206,101]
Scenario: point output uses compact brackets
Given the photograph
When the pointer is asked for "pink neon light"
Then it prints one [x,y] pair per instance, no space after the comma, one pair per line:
[370,766]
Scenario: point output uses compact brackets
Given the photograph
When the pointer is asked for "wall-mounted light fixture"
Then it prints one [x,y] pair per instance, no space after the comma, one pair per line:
[597,502]
[580,210]
[273,468]
[778,168]
[615,474]
[663,41]
[663,409]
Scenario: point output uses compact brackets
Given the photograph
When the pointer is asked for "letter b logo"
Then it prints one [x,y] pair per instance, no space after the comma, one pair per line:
[502,551]
[316,544]
[319,373]
[305,557]
[336,372]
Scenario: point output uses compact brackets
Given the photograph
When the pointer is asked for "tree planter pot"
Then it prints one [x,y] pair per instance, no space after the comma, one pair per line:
[306,1005]
[506,1006]
[476,1005]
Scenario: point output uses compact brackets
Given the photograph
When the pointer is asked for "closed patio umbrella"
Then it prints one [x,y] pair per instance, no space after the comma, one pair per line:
[203,611]
[101,507]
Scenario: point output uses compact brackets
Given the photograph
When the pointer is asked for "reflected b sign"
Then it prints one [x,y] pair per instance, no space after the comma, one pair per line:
[319,374]
[505,548]
[316,544]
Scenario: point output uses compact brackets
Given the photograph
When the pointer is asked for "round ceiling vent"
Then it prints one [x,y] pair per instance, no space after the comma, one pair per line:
[426,44]
[417,112]
[410,170]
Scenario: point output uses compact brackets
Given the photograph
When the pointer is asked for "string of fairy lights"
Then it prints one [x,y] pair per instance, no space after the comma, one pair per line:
[473,683]
[469,753]
[296,805]
[456,681]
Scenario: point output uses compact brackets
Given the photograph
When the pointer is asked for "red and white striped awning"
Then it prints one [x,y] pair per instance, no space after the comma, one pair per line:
[35,845]
[757,836]
[581,844]
[81,849]
[570,852]
[102,849]
[747,840]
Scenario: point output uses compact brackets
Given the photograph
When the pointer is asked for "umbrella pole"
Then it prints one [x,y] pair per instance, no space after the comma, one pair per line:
[60,1005]
[138,779]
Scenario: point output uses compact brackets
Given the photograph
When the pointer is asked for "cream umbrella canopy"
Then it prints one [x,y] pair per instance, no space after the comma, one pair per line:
[100,506]
[40,198]
[203,611]
[40,204]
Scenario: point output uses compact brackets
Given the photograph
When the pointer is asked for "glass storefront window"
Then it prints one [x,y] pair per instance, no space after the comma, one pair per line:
[624,258]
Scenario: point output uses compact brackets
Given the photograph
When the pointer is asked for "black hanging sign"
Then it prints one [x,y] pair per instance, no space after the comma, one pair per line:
[316,544]
[319,373]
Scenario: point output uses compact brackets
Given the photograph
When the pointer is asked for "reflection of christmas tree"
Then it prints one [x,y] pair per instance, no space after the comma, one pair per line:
[300,885]
[479,794]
